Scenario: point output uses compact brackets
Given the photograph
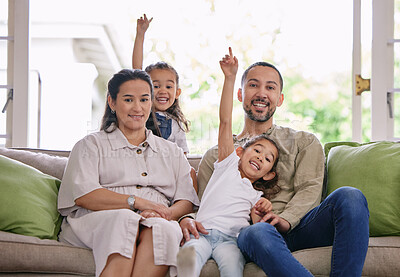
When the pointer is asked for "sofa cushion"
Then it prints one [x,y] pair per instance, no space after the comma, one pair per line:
[374,168]
[48,162]
[28,200]
[24,254]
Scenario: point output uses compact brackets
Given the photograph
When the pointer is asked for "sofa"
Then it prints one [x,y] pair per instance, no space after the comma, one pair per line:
[28,254]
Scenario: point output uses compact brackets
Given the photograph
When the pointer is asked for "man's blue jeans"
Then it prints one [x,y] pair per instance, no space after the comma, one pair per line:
[341,220]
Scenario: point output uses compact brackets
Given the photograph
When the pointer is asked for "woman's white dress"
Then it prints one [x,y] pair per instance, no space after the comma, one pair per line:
[156,170]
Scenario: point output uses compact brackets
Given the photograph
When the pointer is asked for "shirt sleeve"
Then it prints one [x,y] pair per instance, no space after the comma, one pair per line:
[206,168]
[179,137]
[184,184]
[81,175]
[231,160]
[307,181]
[181,141]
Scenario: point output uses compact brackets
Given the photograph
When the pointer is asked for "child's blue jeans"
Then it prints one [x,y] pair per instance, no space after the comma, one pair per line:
[222,248]
[341,220]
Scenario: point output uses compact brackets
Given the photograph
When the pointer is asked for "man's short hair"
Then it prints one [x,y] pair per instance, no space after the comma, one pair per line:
[244,76]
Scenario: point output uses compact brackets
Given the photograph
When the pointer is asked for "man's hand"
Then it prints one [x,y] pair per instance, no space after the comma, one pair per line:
[191,226]
[275,220]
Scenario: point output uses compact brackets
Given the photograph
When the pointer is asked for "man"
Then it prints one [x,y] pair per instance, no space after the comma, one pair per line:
[298,220]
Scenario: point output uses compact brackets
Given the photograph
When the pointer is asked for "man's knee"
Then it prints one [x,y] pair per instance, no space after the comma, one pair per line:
[349,194]
[256,233]
[351,200]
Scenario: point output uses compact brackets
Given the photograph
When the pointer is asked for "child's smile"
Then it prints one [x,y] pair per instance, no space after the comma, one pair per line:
[257,160]
[162,100]
[165,88]
[255,165]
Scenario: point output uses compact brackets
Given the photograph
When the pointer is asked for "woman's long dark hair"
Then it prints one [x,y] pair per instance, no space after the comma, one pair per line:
[175,110]
[269,187]
[110,118]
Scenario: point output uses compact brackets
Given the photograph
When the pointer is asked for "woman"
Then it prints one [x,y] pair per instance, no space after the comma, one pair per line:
[123,187]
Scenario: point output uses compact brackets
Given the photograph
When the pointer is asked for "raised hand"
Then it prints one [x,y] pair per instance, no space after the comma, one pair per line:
[229,64]
[143,24]
[141,28]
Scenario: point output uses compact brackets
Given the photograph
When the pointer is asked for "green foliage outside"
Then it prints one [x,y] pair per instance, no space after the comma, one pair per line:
[321,105]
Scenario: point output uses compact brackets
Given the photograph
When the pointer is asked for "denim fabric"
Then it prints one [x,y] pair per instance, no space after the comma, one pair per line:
[222,248]
[165,125]
[341,220]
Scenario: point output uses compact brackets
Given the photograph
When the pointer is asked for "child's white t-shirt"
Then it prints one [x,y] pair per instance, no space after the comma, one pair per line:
[227,199]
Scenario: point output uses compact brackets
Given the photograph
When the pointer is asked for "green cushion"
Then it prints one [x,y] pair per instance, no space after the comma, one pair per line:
[373,168]
[28,200]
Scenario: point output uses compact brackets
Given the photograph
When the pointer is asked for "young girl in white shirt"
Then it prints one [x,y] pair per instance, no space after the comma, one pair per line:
[171,123]
[235,194]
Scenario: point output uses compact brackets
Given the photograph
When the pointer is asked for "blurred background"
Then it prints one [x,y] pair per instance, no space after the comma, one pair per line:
[76,46]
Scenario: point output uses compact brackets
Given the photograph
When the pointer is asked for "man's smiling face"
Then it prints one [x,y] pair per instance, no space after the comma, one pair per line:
[261,93]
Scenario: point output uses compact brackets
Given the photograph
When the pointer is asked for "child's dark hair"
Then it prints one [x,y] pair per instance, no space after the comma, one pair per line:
[175,110]
[113,86]
[269,187]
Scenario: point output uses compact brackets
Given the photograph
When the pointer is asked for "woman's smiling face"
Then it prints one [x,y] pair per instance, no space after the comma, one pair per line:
[132,106]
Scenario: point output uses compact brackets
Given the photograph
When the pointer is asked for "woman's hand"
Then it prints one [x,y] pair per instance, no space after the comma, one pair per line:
[147,205]
[191,226]
[149,213]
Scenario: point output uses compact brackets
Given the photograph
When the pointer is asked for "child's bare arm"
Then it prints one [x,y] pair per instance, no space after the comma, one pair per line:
[229,66]
[141,28]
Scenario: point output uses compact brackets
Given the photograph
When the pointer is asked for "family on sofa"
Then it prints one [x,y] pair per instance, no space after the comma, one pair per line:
[126,187]
[122,167]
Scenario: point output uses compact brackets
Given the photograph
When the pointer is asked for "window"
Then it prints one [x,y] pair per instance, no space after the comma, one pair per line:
[72,57]
[3,72]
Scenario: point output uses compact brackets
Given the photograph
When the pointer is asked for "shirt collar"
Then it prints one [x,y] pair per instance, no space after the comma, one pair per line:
[167,115]
[246,138]
[118,141]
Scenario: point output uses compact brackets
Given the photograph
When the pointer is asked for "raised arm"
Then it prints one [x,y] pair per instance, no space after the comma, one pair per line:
[141,28]
[229,66]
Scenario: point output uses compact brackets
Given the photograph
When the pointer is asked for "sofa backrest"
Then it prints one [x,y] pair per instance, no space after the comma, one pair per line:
[53,162]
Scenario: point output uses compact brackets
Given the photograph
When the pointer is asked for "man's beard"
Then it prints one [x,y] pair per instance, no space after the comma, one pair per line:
[259,117]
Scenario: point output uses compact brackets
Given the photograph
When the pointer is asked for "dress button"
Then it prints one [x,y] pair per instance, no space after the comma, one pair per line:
[139,151]
[144,174]
[145,144]
[138,186]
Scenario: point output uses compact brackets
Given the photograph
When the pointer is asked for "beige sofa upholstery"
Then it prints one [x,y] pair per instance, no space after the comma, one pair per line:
[29,256]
